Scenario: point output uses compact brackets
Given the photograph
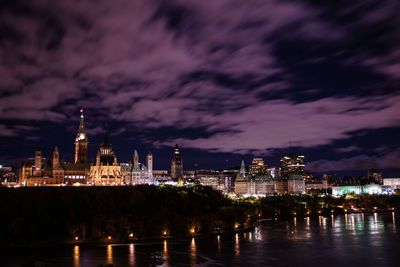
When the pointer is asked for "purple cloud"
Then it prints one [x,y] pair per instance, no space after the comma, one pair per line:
[145,64]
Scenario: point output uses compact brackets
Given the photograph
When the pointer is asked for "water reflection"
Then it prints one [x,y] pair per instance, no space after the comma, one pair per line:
[219,244]
[76,256]
[365,239]
[132,255]
[193,252]
[323,222]
[360,230]
[257,233]
[165,253]
[237,246]
[307,223]
[109,254]
[394,221]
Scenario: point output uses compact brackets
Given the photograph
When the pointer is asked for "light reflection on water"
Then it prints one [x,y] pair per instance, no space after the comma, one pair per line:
[219,244]
[340,239]
[76,256]
[193,252]
[341,230]
[394,221]
[237,246]
[109,254]
[131,255]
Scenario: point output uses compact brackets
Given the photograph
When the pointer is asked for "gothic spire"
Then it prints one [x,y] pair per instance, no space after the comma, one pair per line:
[82,124]
[242,171]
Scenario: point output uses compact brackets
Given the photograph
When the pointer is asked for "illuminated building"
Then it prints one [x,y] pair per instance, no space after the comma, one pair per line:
[260,186]
[292,164]
[107,169]
[176,164]
[375,176]
[81,143]
[369,189]
[7,176]
[316,185]
[253,185]
[40,171]
[292,184]
[392,182]
[281,186]
[136,172]
[296,184]
[257,167]
[57,169]
[210,178]
[241,182]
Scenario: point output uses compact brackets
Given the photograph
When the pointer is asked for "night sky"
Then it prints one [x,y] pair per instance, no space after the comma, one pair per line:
[225,79]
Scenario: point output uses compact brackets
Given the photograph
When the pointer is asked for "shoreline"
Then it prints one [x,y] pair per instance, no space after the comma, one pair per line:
[149,240]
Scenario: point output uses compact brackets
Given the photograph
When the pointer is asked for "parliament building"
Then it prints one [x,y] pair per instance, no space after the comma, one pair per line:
[105,170]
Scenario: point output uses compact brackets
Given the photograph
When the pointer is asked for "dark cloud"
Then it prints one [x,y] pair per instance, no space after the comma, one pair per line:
[225,76]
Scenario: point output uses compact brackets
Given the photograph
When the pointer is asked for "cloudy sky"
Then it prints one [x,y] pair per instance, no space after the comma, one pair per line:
[225,79]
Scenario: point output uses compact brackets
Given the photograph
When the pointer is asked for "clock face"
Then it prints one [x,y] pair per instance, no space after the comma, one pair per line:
[82,136]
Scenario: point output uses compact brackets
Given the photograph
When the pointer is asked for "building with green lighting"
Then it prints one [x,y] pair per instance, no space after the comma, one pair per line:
[369,189]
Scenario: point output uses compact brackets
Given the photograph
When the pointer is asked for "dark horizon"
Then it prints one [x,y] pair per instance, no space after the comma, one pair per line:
[226,81]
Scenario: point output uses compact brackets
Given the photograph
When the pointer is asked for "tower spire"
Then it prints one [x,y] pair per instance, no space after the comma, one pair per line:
[82,123]
[242,171]
[81,142]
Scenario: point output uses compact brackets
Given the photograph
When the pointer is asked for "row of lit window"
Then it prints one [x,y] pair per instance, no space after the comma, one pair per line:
[74,177]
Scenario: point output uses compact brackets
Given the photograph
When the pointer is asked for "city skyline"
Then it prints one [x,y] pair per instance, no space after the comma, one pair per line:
[226,81]
[81,156]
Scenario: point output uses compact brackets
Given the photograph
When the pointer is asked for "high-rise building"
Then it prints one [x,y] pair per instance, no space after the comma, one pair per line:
[176,164]
[375,176]
[292,164]
[81,143]
[257,167]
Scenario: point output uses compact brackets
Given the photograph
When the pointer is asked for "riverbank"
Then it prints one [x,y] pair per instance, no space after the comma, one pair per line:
[116,214]
[107,215]
[142,241]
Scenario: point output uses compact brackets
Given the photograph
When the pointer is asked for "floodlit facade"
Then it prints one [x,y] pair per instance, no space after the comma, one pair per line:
[40,171]
[369,189]
[107,169]
[392,182]
[296,184]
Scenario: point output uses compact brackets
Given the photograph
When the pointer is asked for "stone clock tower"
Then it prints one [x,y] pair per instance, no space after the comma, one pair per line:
[81,143]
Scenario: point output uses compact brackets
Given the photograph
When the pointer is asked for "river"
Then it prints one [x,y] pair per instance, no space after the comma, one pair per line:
[343,240]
